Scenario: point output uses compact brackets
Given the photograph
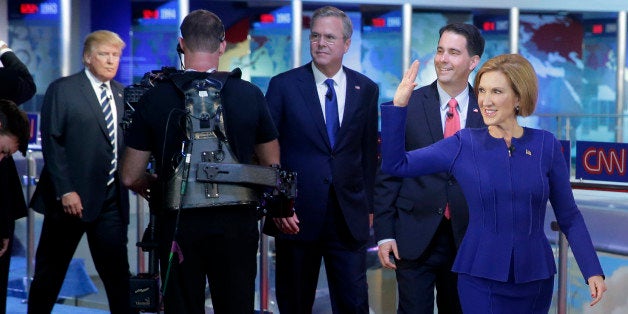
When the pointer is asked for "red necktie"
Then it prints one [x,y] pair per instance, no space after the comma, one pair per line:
[452,125]
[452,122]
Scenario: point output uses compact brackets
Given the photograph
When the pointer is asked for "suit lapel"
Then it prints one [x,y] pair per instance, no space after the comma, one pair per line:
[353,99]
[118,96]
[307,88]
[117,92]
[91,99]
[474,117]
[432,112]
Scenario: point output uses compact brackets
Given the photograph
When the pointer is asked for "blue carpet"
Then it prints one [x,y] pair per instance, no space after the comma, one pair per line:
[18,306]
[76,284]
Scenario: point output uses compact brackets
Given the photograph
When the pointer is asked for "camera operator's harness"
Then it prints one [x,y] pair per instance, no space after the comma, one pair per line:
[209,173]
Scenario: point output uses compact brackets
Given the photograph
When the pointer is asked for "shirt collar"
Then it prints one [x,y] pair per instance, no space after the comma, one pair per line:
[208,71]
[95,81]
[320,78]
[462,98]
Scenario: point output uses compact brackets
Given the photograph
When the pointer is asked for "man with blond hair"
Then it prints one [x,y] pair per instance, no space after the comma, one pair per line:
[79,191]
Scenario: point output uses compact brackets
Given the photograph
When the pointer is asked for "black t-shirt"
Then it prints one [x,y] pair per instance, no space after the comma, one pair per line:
[157,122]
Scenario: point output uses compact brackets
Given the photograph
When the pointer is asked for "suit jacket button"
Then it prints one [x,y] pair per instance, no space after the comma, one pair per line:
[440,211]
[326,181]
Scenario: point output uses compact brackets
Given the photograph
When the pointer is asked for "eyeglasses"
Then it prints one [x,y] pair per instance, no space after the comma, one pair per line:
[330,40]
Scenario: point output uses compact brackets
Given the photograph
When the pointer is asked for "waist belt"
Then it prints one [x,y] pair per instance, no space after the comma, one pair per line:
[209,172]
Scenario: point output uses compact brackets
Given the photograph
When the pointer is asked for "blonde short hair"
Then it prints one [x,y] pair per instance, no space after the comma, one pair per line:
[101,37]
[521,75]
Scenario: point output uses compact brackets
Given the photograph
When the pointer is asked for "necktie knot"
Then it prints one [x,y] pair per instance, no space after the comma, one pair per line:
[103,93]
[452,123]
[330,89]
[453,104]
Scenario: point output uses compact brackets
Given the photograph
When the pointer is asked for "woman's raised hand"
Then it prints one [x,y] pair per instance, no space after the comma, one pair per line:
[406,86]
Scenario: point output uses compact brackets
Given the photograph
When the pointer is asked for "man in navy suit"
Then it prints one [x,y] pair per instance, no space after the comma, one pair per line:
[79,191]
[410,220]
[334,152]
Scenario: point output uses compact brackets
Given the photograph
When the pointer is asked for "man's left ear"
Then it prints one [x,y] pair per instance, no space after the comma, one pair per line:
[475,60]
[222,48]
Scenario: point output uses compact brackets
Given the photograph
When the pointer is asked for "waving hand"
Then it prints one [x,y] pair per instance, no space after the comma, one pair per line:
[407,85]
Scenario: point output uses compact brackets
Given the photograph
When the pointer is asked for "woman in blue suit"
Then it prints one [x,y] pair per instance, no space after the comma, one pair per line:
[507,173]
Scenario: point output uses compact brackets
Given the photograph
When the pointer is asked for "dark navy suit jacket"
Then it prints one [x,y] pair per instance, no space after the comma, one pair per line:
[76,147]
[351,165]
[410,210]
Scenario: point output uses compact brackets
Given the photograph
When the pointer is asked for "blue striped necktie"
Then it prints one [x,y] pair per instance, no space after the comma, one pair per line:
[105,103]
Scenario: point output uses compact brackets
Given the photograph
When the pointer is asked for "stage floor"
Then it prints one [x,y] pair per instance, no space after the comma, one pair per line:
[606,215]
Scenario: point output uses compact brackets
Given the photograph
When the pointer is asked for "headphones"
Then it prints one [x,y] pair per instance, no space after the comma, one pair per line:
[179,54]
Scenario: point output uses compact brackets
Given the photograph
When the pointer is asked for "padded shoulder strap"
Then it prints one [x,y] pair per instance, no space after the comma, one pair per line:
[181,78]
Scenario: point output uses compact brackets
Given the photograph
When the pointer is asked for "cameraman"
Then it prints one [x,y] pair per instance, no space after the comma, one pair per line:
[217,243]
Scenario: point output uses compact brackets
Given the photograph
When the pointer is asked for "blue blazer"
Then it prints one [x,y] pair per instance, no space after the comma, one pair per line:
[351,165]
[507,192]
[405,205]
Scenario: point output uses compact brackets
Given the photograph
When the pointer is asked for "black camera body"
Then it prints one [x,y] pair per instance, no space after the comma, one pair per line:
[279,202]
[135,91]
